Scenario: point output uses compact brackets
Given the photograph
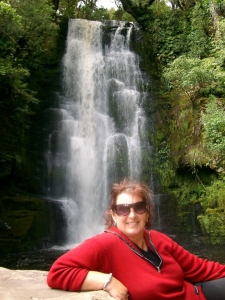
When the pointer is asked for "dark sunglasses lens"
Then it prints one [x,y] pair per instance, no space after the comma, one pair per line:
[140,207]
[122,210]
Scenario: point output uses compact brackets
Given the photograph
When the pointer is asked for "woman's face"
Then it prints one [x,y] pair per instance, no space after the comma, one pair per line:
[133,224]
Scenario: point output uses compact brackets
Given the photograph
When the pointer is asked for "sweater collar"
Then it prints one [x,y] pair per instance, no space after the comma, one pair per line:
[114,230]
[133,246]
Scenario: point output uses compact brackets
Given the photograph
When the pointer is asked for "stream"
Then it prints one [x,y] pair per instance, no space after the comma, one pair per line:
[43,259]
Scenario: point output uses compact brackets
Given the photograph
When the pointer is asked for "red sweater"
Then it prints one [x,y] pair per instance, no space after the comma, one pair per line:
[112,252]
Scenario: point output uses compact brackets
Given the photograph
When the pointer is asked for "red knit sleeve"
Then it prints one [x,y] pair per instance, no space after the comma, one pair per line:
[69,271]
[196,269]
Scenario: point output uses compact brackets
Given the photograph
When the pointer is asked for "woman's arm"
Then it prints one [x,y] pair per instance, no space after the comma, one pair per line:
[85,268]
[96,281]
[70,270]
[196,269]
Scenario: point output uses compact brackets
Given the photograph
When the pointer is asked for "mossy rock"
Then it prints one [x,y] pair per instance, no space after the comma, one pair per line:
[21,202]
[213,226]
[23,223]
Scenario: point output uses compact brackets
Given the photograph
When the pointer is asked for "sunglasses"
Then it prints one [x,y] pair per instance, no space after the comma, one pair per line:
[124,209]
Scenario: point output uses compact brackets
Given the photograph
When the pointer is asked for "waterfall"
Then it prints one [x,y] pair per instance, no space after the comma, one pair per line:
[100,131]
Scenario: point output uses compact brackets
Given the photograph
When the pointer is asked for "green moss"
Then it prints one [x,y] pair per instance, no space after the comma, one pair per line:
[214,196]
[187,189]
[213,226]
[201,204]
[24,223]
[26,202]
[19,221]
[187,169]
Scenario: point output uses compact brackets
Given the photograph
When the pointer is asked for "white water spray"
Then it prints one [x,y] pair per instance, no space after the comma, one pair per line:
[98,134]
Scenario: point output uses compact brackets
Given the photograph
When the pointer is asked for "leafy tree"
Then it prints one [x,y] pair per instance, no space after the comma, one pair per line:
[190,75]
[27,35]
[10,29]
[138,9]
[111,12]
[167,32]
[94,14]
[182,4]
[199,37]
[122,15]
[12,85]
[201,71]
[83,9]
[213,121]
[39,30]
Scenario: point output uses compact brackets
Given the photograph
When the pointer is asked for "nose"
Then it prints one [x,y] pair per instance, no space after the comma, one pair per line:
[132,213]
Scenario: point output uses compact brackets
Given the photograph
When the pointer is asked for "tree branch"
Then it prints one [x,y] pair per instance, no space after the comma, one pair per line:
[136,10]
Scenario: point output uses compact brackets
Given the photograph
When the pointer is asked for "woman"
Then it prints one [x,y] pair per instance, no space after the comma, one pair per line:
[129,260]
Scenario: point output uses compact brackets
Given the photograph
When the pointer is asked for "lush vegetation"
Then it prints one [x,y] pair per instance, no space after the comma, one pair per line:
[28,32]
[187,39]
[183,51]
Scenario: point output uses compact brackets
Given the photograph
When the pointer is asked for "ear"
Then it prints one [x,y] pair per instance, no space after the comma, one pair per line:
[113,215]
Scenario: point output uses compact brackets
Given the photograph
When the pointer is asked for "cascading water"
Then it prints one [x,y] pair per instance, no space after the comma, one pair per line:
[100,132]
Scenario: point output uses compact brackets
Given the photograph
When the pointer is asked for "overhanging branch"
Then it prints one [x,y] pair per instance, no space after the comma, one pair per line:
[136,10]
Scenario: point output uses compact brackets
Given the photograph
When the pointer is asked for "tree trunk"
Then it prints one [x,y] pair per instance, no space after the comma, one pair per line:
[56,4]
[138,11]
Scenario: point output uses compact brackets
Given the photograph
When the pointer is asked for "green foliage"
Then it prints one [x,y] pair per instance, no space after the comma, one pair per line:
[186,188]
[67,8]
[165,168]
[27,39]
[190,75]
[83,9]
[39,31]
[168,32]
[177,31]
[111,12]
[212,225]
[193,136]
[122,15]
[198,38]
[212,220]
[214,196]
[94,14]
[214,129]
[10,29]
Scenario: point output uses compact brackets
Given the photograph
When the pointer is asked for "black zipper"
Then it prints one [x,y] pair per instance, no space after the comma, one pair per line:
[156,252]
[196,291]
[139,253]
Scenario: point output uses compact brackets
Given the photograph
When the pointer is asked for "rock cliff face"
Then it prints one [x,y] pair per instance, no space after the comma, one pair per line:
[24,285]
[24,223]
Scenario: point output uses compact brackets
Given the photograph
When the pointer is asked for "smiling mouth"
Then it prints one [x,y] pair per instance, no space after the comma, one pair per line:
[132,223]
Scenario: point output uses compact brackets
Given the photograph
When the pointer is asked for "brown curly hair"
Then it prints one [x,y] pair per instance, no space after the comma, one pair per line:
[133,187]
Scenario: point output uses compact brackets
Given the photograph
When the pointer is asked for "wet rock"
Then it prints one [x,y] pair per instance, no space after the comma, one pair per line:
[28,223]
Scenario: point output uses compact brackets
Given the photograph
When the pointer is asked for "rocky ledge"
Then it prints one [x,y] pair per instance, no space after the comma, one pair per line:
[31,284]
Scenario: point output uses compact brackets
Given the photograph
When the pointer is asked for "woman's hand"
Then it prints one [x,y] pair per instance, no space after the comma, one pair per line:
[117,290]
[95,281]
